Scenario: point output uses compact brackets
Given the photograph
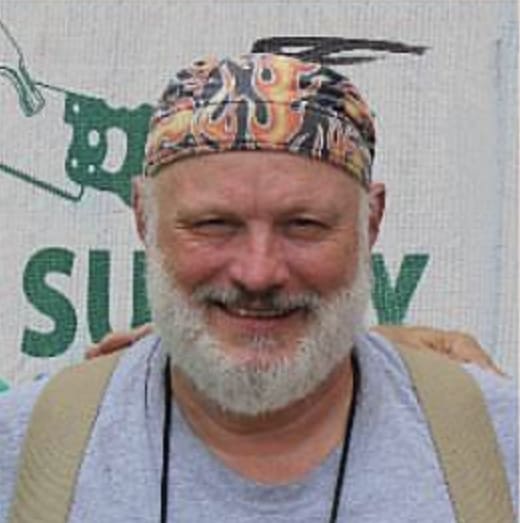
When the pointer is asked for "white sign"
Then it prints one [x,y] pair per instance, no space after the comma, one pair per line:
[77,82]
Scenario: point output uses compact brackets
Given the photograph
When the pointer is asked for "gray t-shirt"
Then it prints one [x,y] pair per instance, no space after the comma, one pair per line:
[392,473]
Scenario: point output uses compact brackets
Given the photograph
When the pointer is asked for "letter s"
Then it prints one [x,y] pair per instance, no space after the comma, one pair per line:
[50,302]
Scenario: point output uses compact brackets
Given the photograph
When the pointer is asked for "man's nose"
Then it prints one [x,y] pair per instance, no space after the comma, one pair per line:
[259,263]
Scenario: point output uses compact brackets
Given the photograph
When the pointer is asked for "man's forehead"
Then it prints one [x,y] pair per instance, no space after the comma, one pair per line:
[279,167]
[282,180]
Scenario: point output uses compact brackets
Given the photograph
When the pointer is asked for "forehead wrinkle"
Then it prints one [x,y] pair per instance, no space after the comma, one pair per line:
[271,181]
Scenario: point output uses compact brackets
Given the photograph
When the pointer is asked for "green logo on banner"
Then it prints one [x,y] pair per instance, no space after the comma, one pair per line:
[92,119]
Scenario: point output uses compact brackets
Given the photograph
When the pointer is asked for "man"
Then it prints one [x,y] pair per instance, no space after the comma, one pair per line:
[263,399]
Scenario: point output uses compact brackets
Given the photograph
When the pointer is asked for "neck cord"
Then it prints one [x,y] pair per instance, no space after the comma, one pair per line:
[167,427]
[340,476]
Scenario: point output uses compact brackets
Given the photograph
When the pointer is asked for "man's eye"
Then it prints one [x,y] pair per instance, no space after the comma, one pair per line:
[306,227]
[306,223]
[214,226]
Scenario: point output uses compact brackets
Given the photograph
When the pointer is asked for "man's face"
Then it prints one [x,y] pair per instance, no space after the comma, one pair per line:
[256,263]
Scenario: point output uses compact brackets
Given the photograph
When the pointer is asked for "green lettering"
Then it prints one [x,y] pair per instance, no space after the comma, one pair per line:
[98,294]
[3,386]
[392,303]
[50,302]
[99,298]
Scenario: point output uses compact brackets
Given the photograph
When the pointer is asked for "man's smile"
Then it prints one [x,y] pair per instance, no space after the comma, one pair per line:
[256,313]
[231,321]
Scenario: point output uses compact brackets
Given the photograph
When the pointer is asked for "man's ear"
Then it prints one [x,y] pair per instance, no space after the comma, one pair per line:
[376,200]
[137,204]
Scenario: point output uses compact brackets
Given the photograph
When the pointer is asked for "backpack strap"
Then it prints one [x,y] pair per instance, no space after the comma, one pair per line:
[463,436]
[59,430]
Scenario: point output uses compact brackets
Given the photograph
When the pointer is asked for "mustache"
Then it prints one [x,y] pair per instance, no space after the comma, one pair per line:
[271,299]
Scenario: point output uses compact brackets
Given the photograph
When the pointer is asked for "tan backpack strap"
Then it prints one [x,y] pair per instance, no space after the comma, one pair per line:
[58,433]
[464,437]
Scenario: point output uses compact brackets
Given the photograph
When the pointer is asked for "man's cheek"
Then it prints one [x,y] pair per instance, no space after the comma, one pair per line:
[192,268]
[325,272]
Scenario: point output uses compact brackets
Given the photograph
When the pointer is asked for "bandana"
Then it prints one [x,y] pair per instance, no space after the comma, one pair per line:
[262,102]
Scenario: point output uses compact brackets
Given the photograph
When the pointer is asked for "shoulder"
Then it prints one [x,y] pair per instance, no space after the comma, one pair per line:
[500,394]
[135,389]
[139,365]
[501,397]
[16,406]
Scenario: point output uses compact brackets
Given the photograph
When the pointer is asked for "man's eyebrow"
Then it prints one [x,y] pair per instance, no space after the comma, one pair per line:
[194,212]
[329,215]
[308,207]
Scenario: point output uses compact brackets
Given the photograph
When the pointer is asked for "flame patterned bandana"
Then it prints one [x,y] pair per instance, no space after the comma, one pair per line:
[262,102]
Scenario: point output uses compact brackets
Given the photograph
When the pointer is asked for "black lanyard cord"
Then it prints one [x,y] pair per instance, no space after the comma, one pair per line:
[166,441]
[342,461]
[346,443]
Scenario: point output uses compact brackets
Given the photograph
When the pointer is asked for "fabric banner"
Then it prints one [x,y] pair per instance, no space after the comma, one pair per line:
[77,80]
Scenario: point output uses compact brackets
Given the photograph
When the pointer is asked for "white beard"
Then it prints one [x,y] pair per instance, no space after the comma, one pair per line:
[255,389]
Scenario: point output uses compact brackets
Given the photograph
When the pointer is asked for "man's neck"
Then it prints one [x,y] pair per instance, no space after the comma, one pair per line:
[277,447]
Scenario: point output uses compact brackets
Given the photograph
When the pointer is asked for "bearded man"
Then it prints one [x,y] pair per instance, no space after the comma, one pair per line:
[263,398]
